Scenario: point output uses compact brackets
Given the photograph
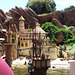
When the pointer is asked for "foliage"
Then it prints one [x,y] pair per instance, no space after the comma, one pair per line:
[30,29]
[42,6]
[66,27]
[71,49]
[51,29]
[69,36]
[53,33]
[71,7]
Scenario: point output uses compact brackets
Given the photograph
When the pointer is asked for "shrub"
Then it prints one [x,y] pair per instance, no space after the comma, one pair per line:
[53,32]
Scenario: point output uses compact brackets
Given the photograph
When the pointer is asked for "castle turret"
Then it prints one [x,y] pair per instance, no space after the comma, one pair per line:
[9,36]
[21,23]
[10,49]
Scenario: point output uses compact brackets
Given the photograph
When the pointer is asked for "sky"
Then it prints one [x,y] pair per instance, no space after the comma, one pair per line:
[62,4]
[6,5]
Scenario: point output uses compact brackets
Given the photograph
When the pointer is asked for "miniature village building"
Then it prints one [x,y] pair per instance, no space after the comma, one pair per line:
[51,50]
[38,30]
[39,62]
[23,45]
[10,48]
[23,42]
[48,49]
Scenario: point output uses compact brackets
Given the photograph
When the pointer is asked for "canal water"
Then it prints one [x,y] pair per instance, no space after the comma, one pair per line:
[49,72]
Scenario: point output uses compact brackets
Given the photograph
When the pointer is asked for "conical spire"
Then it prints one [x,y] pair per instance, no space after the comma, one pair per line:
[21,18]
[21,23]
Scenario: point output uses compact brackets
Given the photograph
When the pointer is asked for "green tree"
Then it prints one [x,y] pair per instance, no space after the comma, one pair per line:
[71,7]
[42,6]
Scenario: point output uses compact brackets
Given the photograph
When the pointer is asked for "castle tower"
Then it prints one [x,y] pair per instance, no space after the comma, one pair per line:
[10,49]
[9,36]
[21,23]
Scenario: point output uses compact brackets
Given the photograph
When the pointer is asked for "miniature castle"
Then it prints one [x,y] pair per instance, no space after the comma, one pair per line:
[22,43]
[21,37]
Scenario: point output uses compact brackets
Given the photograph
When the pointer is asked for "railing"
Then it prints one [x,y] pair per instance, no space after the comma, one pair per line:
[42,63]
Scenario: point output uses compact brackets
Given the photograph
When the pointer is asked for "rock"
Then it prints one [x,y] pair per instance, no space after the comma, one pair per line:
[73,30]
[45,18]
[65,18]
[57,23]
[29,15]
[58,18]
[60,37]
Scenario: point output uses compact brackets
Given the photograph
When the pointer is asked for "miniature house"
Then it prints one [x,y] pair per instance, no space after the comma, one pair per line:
[23,42]
[51,50]
[10,48]
[38,29]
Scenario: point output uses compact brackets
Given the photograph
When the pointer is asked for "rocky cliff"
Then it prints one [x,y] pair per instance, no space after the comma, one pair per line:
[65,18]
[58,18]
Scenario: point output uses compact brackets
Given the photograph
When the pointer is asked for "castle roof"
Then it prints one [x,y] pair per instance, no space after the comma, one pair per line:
[21,32]
[14,28]
[21,18]
[38,29]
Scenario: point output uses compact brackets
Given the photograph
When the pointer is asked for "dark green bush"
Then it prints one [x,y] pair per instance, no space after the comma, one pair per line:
[53,33]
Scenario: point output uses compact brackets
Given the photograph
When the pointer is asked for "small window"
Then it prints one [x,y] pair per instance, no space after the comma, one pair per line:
[21,38]
[12,36]
[22,45]
[13,40]
[26,44]
[18,43]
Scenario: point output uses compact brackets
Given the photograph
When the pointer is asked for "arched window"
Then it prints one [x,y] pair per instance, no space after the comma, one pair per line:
[13,40]
[18,43]
[12,36]
[26,44]
[21,38]
[22,44]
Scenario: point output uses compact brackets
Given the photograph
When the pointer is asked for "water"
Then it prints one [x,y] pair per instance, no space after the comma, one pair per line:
[49,72]
[20,72]
[58,72]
